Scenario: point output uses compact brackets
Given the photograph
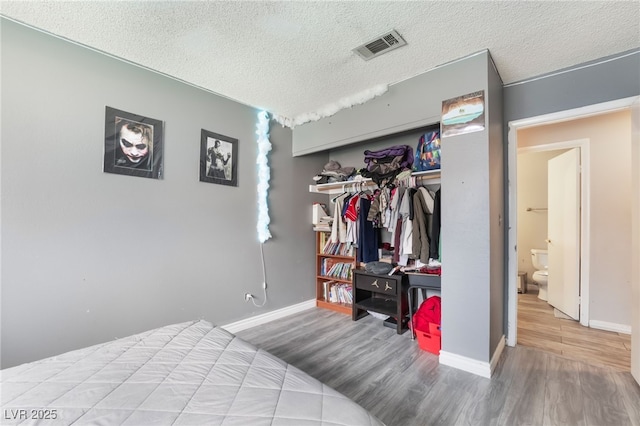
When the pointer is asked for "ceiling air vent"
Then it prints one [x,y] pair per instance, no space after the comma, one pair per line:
[382,44]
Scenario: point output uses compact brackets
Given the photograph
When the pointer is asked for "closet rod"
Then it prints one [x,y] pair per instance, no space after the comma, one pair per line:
[427,176]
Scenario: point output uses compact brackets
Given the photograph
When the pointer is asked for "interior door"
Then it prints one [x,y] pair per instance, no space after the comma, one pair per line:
[563,236]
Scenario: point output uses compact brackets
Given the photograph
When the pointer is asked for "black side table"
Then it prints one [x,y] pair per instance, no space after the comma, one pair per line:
[424,282]
[384,294]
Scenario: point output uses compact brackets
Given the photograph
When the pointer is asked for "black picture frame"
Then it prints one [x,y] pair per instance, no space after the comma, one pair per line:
[218,158]
[122,155]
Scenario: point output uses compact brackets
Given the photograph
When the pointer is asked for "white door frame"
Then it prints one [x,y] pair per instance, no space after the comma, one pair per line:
[512,242]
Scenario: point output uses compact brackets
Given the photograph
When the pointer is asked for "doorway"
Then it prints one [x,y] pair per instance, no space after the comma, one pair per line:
[542,320]
[622,325]
[543,224]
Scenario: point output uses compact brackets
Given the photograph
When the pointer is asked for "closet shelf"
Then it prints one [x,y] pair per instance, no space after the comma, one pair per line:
[340,187]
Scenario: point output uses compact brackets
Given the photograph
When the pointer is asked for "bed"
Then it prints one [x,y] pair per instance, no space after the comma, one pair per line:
[191,373]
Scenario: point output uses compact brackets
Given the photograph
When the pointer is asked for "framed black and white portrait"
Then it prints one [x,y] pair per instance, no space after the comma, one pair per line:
[132,144]
[218,159]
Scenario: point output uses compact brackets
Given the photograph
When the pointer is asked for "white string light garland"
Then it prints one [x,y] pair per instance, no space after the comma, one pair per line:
[331,109]
[264,174]
[264,145]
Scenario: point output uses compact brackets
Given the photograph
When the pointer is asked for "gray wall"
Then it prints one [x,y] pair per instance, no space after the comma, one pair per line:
[89,256]
[497,220]
[607,79]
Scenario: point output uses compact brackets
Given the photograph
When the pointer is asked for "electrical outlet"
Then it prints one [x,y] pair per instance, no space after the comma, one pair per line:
[247,297]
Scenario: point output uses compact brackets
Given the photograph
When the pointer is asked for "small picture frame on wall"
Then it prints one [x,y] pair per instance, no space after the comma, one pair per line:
[132,144]
[464,114]
[218,159]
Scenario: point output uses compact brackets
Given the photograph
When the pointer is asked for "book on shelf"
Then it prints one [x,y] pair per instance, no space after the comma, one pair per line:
[347,249]
[335,292]
[326,265]
[339,249]
[326,247]
[323,239]
[322,223]
[343,293]
[326,287]
[330,268]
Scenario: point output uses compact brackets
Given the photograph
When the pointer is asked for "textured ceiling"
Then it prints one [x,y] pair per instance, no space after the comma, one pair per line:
[294,57]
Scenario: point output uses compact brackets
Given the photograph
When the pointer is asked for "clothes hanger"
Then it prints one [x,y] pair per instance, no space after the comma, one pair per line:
[344,192]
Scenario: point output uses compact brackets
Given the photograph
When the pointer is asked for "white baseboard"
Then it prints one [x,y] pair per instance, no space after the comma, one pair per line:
[610,326]
[496,355]
[466,364]
[474,366]
[247,323]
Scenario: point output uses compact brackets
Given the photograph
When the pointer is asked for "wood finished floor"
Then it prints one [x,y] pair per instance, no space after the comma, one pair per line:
[539,328]
[402,385]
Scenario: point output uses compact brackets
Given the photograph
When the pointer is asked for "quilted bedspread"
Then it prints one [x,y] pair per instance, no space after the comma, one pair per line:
[184,374]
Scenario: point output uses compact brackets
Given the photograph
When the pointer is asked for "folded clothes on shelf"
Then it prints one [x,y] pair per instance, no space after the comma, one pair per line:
[334,172]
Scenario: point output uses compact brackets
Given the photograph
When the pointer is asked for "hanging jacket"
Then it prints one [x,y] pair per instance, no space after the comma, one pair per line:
[406,236]
[434,243]
[339,227]
[423,209]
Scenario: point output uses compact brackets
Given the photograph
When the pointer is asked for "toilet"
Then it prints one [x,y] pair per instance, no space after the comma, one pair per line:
[541,275]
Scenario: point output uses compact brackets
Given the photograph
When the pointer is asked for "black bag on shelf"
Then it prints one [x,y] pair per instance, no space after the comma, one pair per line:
[378,268]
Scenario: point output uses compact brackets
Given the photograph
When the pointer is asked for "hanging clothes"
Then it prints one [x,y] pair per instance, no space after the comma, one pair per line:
[351,218]
[423,208]
[434,244]
[385,201]
[368,238]
[406,238]
[339,227]
[394,216]
[373,215]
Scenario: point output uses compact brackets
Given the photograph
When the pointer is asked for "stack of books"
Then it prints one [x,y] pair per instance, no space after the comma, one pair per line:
[319,215]
[331,268]
[324,224]
[338,292]
[340,249]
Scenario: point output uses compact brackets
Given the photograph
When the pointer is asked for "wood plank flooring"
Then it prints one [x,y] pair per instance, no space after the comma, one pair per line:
[539,328]
[402,385]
